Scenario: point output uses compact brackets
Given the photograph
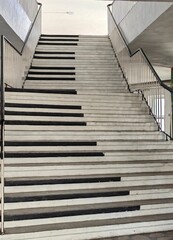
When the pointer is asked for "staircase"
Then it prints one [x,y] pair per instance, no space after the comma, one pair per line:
[84,159]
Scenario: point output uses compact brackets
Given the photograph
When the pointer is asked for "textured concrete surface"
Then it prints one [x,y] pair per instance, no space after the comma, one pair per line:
[151,236]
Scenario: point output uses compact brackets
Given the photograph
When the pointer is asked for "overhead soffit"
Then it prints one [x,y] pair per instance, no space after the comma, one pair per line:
[157,40]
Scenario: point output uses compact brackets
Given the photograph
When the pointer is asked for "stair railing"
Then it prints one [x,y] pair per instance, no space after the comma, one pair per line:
[14,65]
[142,78]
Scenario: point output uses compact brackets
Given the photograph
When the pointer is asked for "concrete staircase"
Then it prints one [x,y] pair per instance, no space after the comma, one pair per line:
[84,159]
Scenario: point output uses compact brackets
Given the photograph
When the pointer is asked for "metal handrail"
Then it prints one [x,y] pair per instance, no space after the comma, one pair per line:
[2,107]
[141,51]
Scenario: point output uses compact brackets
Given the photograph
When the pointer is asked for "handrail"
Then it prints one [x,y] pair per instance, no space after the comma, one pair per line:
[141,51]
[2,107]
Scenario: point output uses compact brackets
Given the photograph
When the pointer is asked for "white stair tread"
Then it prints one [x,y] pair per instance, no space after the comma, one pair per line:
[78,119]
[37,171]
[89,186]
[86,160]
[89,201]
[96,232]
[81,128]
[76,148]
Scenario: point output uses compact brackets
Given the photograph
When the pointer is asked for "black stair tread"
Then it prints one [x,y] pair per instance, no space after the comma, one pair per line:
[58,35]
[50,143]
[84,179]
[55,43]
[38,215]
[53,68]
[51,78]
[51,73]
[44,123]
[28,105]
[20,113]
[58,39]
[52,57]
[58,196]
[51,91]
[52,154]
[54,52]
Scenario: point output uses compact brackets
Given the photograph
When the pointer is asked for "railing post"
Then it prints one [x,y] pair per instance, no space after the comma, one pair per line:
[2,134]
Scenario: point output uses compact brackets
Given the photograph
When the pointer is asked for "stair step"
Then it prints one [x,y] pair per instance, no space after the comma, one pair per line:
[75,62]
[100,147]
[58,39]
[77,80]
[95,111]
[50,91]
[46,103]
[45,123]
[72,42]
[62,36]
[13,115]
[116,159]
[52,143]
[62,196]
[72,83]
[95,205]
[73,56]
[70,117]
[83,99]
[53,181]
[104,136]
[52,154]
[64,171]
[121,186]
[85,220]
[96,232]
[79,70]
[75,127]
[75,101]
[18,104]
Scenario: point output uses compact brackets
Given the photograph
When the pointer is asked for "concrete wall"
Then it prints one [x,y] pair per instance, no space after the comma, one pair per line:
[121,9]
[15,16]
[30,7]
[133,19]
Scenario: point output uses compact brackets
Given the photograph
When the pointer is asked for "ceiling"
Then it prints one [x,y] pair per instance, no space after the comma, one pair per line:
[157,40]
